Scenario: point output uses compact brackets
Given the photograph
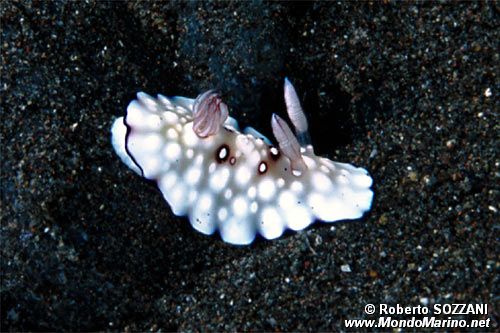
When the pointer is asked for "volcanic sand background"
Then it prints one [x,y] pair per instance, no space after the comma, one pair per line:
[408,91]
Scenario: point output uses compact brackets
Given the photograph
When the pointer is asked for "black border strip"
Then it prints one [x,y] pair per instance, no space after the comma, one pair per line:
[129,129]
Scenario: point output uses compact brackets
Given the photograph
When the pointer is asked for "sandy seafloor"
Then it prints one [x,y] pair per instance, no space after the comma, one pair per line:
[409,91]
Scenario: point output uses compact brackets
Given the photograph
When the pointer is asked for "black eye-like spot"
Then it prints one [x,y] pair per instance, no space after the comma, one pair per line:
[274,153]
[232,160]
[262,167]
[222,153]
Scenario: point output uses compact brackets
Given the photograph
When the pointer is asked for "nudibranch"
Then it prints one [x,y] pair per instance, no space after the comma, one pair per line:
[237,182]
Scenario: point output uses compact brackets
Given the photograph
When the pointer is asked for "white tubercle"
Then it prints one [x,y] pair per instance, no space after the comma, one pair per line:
[235,182]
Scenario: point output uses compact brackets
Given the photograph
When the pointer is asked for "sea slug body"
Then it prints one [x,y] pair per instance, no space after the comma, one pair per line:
[237,182]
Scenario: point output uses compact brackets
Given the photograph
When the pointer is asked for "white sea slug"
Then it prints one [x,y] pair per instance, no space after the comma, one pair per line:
[237,183]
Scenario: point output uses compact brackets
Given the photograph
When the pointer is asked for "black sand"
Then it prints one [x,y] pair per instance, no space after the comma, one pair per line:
[408,91]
